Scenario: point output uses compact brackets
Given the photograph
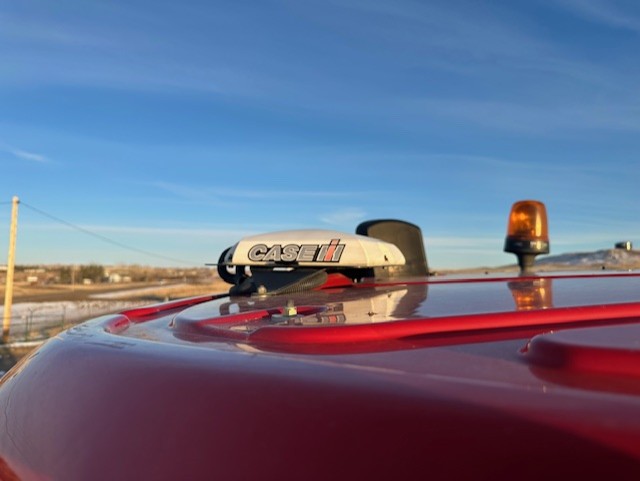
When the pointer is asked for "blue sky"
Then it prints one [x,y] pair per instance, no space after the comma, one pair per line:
[176,128]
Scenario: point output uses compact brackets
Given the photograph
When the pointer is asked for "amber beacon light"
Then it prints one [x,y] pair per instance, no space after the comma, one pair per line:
[527,232]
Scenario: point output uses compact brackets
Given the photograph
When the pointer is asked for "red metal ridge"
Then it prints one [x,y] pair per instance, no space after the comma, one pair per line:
[609,350]
[488,278]
[221,327]
[141,314]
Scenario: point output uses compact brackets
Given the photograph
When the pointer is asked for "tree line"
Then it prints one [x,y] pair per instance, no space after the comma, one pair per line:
[94,272]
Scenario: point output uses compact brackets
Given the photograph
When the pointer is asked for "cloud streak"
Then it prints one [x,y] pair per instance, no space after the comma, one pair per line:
[348,216]
[606,12]
[554,119]
[30,156]
[219,194]
[181,232]
[24,155]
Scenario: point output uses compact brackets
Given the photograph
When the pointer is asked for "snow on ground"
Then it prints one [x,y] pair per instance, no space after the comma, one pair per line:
[28,318]
[139,291]
[611,258]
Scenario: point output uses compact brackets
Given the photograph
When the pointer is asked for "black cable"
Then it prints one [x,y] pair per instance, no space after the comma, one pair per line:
[101,237]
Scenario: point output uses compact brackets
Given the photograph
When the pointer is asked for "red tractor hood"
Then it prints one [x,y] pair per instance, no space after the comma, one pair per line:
[490,378]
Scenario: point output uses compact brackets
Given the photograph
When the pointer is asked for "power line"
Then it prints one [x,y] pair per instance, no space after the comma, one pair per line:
[100,236]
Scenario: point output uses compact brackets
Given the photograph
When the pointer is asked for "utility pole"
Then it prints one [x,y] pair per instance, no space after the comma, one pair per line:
[8,290]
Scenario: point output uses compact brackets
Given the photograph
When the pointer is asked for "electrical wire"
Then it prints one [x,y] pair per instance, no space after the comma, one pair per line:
[100,236]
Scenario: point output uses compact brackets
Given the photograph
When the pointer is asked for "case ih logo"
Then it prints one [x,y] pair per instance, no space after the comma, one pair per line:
[330,252]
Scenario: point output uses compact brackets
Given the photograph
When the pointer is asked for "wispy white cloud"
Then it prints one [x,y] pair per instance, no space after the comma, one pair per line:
[554,119]
[33,31]
[553,88]
[437,26]
[613,13]
[111,48]
[30,156]
[348,216]
[107,46]
[22,154]
[465,242]
[223,233]
[219,194]
[127,48]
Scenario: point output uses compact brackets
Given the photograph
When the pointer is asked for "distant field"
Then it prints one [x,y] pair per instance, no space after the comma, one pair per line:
[615,260]
[23,292]
[40,311]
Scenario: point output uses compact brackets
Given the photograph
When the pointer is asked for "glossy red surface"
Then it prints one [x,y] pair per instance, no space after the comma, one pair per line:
[612,350]
[514,378]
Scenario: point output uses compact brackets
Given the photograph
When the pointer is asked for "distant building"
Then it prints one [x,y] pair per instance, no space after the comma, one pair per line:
[626,245]
[115,278]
